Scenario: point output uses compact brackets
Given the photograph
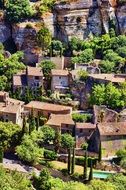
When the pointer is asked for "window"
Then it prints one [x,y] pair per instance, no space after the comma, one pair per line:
[59,77]
[36,78]
[81,130]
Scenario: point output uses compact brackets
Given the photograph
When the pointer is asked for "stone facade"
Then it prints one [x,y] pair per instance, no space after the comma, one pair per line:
[10,109]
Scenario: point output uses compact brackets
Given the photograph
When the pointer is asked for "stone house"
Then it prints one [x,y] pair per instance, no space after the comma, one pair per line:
[111,135]
[32,78]
[60,80]
[83,132]
[10,109]
[61,122]
[86,67]
[46,109]
[106,78]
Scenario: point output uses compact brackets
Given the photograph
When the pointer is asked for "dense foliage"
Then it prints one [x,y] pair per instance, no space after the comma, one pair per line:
[109,95]
[17,10]
[81,117]
[10,135]
[29,149]
[13,181]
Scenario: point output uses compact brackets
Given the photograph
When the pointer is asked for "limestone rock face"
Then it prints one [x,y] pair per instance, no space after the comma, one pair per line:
[83,17]
[77,19]
[5,31]
[121,16]
[24,35]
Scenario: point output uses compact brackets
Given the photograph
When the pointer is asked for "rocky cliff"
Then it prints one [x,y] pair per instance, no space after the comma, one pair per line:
[79,18]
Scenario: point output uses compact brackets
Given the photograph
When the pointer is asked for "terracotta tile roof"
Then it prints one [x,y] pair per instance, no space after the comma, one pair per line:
[34,71]
[58,119]
[12,105]
[56,72]
[109,77]
[85,126]
[15,101]
[118,128]
[48,106]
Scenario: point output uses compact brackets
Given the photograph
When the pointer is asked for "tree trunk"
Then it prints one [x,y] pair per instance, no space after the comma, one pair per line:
[69,161]
[91,171]
[100,153]
[73,161]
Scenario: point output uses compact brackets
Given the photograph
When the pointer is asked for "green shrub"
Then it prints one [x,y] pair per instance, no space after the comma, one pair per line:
[51,155]
[77,117]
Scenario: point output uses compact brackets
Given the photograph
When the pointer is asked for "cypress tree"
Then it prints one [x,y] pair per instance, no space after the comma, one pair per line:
[100,153]
[69,161]
[37,123]
[57,141]
[85,165]
[32,122]
[73,161]
[1,154]
[24,127]
[91,170]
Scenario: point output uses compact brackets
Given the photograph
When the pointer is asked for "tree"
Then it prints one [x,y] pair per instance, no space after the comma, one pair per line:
[29,150]
[118,180]
[32,123]
[96,184]
[57,140]
[122,51]
[42,182]
[1,154]
[100,153]
[10,135]
[56,47]
[73,161]
[24,127]
[44,38]
[3,82]
[14,180]
[48,134]
[47,66]
[107,66]
[91,170]
[98,95]
[18,10]
[85,146]
[83,75]
[67,142]
[113,97]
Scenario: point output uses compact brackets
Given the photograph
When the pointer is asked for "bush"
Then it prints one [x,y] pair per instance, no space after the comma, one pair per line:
[51,155]
[81,117]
